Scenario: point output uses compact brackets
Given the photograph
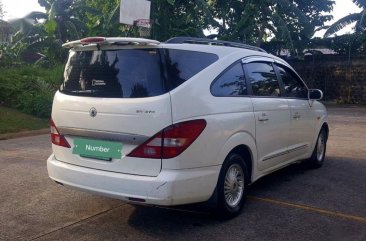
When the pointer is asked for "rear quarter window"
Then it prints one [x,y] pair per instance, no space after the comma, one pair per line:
[230,83]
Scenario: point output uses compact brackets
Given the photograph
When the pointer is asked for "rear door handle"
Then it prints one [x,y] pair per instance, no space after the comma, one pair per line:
[263,117]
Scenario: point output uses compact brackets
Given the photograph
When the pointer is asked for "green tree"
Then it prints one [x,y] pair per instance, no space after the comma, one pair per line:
[25,31]
[346,44]
[255,21]
[30,37]
[106,23]
[29,24]
[179,18]
[169,18]
[66,18]
[359,18]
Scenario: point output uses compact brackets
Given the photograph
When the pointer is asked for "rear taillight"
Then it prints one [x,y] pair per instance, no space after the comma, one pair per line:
[56,137]
[171,141]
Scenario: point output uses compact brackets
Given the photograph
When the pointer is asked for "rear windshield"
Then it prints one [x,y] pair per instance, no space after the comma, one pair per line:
[131,73]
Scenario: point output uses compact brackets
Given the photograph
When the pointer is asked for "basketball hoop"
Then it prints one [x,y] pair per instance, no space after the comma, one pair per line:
[143,26]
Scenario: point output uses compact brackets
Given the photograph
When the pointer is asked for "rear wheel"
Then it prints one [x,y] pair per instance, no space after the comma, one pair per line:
[232,186]
[317,158]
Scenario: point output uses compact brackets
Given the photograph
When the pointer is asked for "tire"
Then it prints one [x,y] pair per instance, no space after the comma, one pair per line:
[232,186]
[317,158]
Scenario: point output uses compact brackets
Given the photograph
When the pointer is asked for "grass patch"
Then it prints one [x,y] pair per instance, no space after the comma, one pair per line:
[30,88]
[14,121]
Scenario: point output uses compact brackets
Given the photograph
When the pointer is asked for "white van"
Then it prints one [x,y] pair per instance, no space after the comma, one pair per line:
[180,122]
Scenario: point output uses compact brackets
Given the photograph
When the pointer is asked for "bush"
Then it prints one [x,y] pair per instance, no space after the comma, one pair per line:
[30,88]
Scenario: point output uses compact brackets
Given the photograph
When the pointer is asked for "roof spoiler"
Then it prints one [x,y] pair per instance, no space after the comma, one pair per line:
[99,41]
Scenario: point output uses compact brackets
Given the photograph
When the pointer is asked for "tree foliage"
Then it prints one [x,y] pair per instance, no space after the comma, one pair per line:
[285,22]
[169,18]
[359,18]
[255,21]
[66,18]
[31,39]
[29,23]
[106,23]
[179,18]
[249,21]
[347,44]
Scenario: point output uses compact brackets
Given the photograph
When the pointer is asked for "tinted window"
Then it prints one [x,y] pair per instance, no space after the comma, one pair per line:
[131,73]
[263,79]
[293,86]
[230,83]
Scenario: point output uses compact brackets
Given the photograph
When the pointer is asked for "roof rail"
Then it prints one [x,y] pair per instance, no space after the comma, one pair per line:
[207,41]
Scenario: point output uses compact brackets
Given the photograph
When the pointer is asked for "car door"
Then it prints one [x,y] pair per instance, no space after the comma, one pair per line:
[271,110]
[302,116]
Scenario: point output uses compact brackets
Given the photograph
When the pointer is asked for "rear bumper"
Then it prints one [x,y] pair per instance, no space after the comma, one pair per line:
[170,187]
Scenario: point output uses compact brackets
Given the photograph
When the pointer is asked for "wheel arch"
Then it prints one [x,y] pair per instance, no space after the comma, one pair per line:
[246,154]
[322,123]
[248,151]
[243,144]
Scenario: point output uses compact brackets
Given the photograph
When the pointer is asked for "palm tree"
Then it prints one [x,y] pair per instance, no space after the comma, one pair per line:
[106,23]
[66,18]
[27,25]
[359,18]
[254,21]
[29,35]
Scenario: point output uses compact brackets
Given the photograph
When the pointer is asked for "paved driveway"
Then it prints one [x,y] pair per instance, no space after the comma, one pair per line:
[293,204]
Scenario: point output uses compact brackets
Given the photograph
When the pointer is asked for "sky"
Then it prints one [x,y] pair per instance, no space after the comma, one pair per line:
[19,8]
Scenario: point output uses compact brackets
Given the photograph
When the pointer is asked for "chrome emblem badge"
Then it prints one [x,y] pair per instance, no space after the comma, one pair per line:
[93,112]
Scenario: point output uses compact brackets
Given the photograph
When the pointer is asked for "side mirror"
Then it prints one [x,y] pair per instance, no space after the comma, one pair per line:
[315,94]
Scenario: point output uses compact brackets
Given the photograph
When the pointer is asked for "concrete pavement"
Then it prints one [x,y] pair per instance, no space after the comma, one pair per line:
[292,204]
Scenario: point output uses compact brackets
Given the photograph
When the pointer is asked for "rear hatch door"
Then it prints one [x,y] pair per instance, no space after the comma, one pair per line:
[111,102]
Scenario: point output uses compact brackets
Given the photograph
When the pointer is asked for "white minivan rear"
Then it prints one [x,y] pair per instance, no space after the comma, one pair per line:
[113,112]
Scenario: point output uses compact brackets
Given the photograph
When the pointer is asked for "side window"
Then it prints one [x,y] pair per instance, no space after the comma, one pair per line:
[262,77]
[293,86]
[231,82]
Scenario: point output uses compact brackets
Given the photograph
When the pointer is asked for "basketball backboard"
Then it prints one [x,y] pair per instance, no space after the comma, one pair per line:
[131,10]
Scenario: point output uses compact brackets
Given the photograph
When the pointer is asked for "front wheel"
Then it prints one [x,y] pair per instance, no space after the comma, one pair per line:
[232,186]
[317,158]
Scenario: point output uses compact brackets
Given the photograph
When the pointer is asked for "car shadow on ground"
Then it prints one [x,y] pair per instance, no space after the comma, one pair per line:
[150,218]
[295,183]
[276,178]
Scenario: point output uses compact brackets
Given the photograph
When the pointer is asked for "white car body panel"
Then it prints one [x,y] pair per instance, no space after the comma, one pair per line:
[302,127]
[272,118]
